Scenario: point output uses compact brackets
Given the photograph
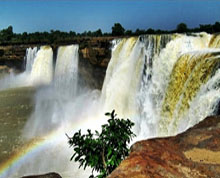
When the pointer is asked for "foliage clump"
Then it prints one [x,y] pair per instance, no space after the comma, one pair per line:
[118,30]
[103,151]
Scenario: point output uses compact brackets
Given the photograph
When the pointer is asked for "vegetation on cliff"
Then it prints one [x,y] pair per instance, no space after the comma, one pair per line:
[103,151]
[55,36]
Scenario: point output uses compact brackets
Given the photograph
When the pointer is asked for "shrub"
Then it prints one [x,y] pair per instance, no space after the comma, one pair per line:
[103,151]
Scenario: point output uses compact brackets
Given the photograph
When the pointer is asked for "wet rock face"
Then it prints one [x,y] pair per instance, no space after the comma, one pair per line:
[49,175]
[94,56]
[90,75]
[195,153]
[13,56]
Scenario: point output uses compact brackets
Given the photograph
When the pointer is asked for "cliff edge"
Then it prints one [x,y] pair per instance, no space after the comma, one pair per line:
[194,153]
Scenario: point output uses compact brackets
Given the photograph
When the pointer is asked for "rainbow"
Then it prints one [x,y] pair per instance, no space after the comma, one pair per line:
[36,146]
[31,148]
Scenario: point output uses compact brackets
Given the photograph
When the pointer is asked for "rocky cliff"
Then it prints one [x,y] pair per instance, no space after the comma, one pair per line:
[94,54]
[194,153]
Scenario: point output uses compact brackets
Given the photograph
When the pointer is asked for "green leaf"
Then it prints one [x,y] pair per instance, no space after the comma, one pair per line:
[113,139]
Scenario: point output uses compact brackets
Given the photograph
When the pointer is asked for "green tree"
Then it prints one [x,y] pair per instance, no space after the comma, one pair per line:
[6,34]
[150,31]
[118,30]
[206,28]
[128,32]
[139,32]
[181,28]
[72,33]
[216,27]
[98,32]
[103,151]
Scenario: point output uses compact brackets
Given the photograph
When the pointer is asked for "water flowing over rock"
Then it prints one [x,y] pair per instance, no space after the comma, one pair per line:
[42,67]
[164,83]
[50,101]
[194,153]
[66,70]
[94,55]
[29,58]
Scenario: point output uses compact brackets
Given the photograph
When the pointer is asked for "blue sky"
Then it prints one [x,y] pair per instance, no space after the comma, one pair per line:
[81,15]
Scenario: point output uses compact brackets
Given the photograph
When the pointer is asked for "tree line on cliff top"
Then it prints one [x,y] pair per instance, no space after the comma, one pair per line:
[7,36]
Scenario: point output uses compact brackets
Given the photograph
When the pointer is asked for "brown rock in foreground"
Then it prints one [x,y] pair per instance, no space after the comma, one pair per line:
[192,154]
[49,175]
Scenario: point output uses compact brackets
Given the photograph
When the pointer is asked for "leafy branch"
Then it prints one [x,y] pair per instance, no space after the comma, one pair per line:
[103,151]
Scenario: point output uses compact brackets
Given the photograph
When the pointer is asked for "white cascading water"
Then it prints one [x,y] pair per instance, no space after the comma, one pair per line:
[38,69]
[66,70]
[164,83]
[31,54]
[42,68]
[169,69]
[122,77]
[59,111]
[156,108]
[51,101]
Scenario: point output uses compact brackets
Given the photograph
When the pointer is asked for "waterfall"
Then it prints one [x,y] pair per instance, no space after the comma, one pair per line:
[51,101]
[66,70]
[189,74]
[59,108]
[163,83]
[42,68]
[29,58]
[158,80]
[38,69]
[215,41]
[122,76]
[177,68]
[57,111]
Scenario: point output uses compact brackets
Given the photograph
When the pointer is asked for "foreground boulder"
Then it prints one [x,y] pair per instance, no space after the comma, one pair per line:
[195,153]
[49,175]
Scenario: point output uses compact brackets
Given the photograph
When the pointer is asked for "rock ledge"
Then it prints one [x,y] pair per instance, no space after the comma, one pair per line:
[194,153]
